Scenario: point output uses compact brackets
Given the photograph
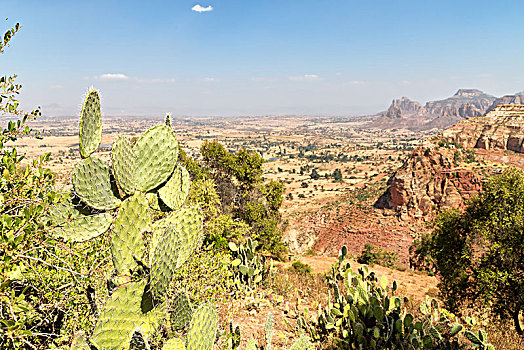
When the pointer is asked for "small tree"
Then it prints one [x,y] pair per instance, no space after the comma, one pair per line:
[337,175]
[479,254]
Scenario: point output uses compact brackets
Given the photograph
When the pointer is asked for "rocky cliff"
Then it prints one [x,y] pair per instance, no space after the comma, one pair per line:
[500,129]
[447,170]
[465,103]
[430,180]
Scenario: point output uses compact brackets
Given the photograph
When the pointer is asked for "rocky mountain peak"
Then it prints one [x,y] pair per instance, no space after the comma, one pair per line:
[469,93]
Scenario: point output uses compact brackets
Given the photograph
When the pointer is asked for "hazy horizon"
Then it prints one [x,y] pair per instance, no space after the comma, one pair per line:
[238,58]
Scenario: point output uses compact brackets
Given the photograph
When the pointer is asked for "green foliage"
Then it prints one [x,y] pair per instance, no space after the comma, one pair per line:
[223,229]
[363,312]
[33,270]
[375,255]
[300,267]
[478,253]
[337,175]
[249,267]
[244,196]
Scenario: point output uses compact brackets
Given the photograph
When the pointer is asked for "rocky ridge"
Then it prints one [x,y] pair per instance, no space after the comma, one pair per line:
[448,169]
[465,103]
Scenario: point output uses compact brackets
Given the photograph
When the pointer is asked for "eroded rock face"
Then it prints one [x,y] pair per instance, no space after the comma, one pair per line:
[404,107]
[465,103]
[433,178]
[518,99]
[427,182]
[500,129]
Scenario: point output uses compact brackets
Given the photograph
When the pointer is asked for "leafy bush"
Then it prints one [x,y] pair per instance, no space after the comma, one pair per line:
[375,255]
[478,253]
[300,267]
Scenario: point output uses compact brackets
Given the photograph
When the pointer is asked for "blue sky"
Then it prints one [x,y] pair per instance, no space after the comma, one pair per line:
[258,57]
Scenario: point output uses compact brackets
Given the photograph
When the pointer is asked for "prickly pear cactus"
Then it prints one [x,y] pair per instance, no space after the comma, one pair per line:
[143,172]
[176,190]
[202,329]
[156,152]
[83,228]
[123,158]
[90,124]
[127,245]
[182,311]
[92,183]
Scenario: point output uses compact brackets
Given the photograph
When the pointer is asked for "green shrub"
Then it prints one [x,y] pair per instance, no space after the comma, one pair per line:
[375,255]
[300,267]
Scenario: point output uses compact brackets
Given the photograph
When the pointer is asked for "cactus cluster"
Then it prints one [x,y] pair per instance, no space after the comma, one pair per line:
[363,312]
[249,267]
[121,198]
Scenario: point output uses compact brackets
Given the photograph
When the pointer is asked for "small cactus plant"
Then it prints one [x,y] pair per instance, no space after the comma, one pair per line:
[120,198]
[249,266]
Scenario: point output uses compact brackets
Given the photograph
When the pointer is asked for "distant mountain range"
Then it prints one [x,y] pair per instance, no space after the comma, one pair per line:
[466,103]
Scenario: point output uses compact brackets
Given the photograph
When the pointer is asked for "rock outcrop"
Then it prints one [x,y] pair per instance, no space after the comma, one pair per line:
[517,99]
[427,182]
[440,173]
[500,129]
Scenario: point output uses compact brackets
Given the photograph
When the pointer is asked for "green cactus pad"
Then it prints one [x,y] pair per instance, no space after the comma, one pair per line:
[156,152]
[90,124]
[174,344]
[92,183]
[182,311]
[188,222]
[122,317]
[127,244]
[123,158]
[203,329]
[83,228]
[176,190]
[303,343]
[152,198]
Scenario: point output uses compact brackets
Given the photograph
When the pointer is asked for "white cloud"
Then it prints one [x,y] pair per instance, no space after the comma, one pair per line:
[113,76]
[201,9]
[123,77]
[305,77]
[208,80]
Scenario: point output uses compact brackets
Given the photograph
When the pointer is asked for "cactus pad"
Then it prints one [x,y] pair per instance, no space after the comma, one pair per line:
[174,239]
[174,344]
[123,158]
[152,198]
[120,318]
[79,343]
[127,243]
[203,329]
[156,152]
[90,134]
[182,311]
[92,183]
[176,190]
[83,228]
